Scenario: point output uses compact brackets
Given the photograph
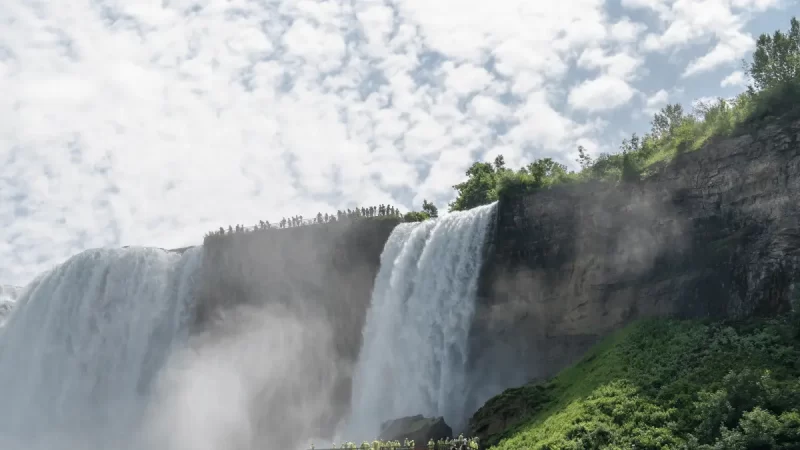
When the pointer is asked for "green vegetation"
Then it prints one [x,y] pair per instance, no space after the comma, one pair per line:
[774,92]
[663,384]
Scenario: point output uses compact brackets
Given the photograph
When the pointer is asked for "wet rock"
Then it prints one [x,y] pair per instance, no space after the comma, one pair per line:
[417,428]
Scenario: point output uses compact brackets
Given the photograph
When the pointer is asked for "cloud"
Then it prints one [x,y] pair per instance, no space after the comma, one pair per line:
[734,79]
[655,102]
[685,23]
[125,123]
[730,48]
[626,30]
[602,93]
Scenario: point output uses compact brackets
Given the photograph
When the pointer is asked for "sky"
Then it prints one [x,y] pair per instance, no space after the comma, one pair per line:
[139,122]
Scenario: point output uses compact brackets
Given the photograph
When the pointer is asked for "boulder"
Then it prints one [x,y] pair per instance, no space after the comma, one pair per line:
[417,428]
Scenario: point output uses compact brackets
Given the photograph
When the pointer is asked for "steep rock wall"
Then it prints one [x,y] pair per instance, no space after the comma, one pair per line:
[714,234]
[328,266]
[325,272]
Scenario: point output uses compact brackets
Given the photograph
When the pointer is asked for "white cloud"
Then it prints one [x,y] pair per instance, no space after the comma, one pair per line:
[730,48]
[626,30]
[656,101]
[602,93]
[620,65]
[736,78]
[466,78]
[689,22]
[129,123]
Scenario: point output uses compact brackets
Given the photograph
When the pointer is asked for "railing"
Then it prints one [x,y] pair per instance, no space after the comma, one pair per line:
[416,447]
[278,225]
[469,445]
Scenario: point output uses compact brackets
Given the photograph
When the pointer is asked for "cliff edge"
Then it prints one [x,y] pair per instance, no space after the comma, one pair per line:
[713,234]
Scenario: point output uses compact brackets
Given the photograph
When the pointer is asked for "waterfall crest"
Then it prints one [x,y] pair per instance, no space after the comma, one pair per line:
[415,338]
[85,340]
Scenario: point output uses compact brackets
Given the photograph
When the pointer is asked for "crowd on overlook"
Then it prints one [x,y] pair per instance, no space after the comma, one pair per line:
[320,218]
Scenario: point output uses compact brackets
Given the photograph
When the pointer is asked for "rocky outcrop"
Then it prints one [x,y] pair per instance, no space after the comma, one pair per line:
[416,428]
[713,234]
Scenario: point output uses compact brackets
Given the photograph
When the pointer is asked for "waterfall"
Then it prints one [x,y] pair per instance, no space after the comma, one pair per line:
[84,342]
[8,298]
[415,338]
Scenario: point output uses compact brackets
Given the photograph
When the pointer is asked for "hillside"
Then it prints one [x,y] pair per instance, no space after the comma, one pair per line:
[661,383]
[696,218]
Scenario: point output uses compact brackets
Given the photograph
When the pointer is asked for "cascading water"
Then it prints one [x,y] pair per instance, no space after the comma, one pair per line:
[8,298]
[85,341]
[415,338]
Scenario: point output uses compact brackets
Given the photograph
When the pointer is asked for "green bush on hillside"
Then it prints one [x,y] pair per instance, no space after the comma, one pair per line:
[664,384]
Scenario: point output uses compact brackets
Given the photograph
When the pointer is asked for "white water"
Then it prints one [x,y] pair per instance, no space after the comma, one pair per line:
[81,348]
[415,338]
[8,298]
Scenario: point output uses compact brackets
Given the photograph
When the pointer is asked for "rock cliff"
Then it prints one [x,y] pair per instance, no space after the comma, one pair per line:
[319,273]
[713,234]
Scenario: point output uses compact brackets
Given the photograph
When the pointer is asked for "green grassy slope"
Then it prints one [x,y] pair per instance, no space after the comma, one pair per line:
[661,384]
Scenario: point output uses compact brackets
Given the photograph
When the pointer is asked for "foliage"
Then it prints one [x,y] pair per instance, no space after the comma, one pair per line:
[430,209]
[416,216]
[669,384]
[775,73]
[776,60]
[480,188]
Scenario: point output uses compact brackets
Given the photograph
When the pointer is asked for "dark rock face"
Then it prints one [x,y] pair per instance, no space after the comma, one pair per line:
[715,234]
[329,268]
[320,274]
[417,428]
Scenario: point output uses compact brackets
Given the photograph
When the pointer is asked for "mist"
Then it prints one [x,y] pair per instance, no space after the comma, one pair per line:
[98,354]
[262,379]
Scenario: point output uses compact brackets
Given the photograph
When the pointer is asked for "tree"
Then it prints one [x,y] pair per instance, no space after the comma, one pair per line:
[499,163]
[480,188]
[584,160]
[776,59]
[429,208]
[667,120]
[545,171]
[630,172]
